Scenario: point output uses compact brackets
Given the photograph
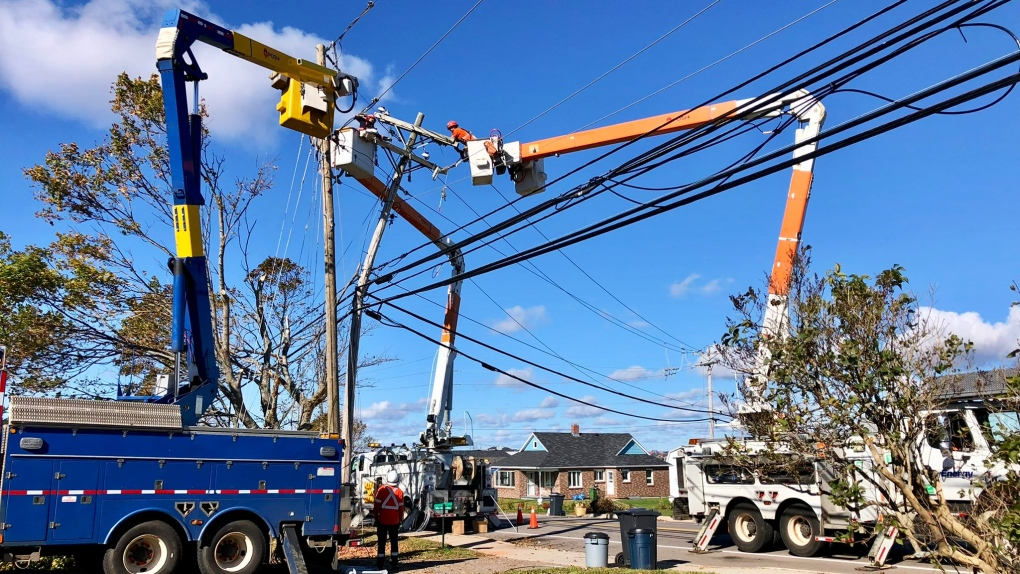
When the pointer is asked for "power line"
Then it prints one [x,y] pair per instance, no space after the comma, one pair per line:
[554,202]
[376,99]
[614,68]
[526,361]
[723,175]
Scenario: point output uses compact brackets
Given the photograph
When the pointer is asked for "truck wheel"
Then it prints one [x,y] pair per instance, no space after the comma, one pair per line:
[236,548]
[151,547]
[798,528]
[749,531]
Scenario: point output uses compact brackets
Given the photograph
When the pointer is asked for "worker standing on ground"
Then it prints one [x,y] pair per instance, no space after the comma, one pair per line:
[389,511]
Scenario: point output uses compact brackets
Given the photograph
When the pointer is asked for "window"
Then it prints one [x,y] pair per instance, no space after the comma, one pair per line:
[506,479]
[649,478]
[726,474]
[624,475]
[600,476]
[574,479]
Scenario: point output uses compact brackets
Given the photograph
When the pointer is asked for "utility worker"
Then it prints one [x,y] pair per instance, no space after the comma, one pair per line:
[389,511]
[460,134]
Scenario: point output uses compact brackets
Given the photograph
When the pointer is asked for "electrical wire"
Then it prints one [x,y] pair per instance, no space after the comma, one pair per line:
[724,183]
[553,203]
[581,191]
[380,317]
[376,99]
[528,362]
[614,68]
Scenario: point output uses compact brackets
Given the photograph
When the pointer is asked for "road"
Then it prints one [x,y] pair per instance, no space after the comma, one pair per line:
[675,541]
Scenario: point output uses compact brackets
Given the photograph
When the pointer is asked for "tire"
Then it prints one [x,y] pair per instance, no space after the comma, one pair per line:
[235,548]
[749,531]
[620,561]
[151,547]
[798,527]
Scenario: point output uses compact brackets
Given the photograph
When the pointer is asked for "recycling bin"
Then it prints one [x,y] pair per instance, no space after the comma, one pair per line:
[631,519]
[642,545]
[556,505]
[596,550]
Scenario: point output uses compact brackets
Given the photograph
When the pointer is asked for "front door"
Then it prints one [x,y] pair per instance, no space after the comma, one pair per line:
[532,483]
[610,483]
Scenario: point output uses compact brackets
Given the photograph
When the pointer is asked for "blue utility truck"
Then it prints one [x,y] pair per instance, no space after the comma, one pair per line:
[139,484]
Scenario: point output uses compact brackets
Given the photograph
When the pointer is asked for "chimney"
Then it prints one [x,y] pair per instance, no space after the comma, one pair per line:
[575,429]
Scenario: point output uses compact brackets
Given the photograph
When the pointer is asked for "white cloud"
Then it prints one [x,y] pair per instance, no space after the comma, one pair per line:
[549,402]
[691,285]
[992,341]
[521,318]
[68,57]
[512,383]
[635,373]
[530,415]
[711,287]
[638,324]
[387,411]
[584,411]
[607,422]
[496,420]
[687,395]
[683,287]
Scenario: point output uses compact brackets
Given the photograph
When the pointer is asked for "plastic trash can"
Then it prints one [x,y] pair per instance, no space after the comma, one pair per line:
[596,550]
[556,505]
[630,519]
[642,545]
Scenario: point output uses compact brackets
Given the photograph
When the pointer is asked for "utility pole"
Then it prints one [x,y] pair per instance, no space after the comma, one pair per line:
[711,410]
[329,257]
[359,297]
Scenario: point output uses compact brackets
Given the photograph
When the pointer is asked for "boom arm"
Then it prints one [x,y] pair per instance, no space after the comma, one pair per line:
[438,424]
[307,106]
[809,112]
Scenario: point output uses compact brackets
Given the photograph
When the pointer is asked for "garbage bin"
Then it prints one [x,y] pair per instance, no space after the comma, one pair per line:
[596,550]
[630,519]
[642,545]
[556,505]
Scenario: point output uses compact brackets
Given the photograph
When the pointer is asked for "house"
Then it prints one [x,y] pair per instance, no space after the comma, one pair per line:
[575,462]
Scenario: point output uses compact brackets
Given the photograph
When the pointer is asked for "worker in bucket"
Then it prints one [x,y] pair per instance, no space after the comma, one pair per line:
[460,134]
[389,511]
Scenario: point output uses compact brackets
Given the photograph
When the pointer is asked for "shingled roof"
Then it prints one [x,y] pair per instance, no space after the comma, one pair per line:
[586,450]
[978,384]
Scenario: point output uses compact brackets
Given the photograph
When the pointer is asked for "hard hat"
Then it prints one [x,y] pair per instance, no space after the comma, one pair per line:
[451,124]
[370,118]
[392,477]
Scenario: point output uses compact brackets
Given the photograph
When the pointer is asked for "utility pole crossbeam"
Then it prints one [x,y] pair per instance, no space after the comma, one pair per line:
[361,290]
[329,257]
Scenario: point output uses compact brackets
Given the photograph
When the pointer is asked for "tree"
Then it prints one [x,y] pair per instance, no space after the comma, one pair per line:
[858,364]
[102,291]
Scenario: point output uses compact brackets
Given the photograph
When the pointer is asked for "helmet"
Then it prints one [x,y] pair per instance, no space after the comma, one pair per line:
[392,477]
[451,124]
[370,119]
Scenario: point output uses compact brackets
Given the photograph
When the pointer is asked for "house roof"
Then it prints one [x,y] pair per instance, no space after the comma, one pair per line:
[978,384]
[492,454]
[586,450]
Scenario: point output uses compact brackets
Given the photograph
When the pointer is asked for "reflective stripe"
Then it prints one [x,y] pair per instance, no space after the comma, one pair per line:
[391,502]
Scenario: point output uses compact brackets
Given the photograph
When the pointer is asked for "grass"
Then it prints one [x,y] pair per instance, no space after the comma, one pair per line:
[509,505]
[418,549]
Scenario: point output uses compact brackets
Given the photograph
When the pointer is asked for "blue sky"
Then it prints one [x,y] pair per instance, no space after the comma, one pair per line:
[937,197]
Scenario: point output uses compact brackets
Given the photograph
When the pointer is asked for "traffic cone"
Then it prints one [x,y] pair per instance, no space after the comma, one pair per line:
[520,516]
[534,519]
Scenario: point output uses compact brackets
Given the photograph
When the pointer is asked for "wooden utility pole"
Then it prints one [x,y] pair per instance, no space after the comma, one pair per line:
[711,410]
[359,297]
[329,256]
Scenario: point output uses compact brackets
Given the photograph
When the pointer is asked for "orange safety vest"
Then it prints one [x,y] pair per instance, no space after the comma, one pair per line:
[389,505]
[461,135]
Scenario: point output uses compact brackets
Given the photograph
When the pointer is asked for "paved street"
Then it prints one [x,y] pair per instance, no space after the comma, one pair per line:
[675,541]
